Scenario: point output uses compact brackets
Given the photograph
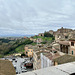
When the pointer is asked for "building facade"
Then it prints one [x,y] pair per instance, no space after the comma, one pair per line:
[67,47]
[72,47]
[28,51]
[37,61]
[45,62]
[63,34]
[41,34]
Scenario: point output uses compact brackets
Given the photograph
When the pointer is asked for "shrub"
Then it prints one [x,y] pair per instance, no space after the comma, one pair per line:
[47,34]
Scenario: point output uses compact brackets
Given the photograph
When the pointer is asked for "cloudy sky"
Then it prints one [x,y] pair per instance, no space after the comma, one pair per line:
[28,17]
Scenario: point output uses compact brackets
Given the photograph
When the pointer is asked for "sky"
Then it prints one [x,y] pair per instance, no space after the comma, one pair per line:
[30,17]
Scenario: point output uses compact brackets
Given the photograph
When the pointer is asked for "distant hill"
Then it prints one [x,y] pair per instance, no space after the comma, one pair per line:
[12,46]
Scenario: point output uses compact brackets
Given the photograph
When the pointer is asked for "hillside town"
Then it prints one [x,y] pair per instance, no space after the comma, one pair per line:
[37,37]
[39,56]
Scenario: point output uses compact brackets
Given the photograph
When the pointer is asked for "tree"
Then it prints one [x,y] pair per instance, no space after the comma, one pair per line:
[47,34]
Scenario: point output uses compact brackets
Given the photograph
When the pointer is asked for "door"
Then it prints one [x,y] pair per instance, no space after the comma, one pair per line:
[72,52]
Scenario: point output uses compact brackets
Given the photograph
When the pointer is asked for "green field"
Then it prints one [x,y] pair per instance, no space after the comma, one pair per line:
[43,38]
[20,49]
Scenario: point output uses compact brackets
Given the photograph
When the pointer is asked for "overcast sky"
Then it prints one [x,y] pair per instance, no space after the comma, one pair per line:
[26,17]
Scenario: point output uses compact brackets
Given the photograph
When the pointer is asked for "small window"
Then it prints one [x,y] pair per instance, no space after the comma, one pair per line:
[31,50]
[72,43]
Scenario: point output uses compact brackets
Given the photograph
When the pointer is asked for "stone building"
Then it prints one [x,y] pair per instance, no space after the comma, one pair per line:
[67,47]
[64,30]
[51,32]
[64,46]
[47,59]
[29,51]
[71,35]
[63,34]
[59,37]
[44,60]
[41,34]
[72,46]
[37,61]
[36,55]
[37,58]
[34,40]
[39,40]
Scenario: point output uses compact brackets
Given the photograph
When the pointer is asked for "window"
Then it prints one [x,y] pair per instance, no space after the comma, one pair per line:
[31,50]
[72,52]
[72,43]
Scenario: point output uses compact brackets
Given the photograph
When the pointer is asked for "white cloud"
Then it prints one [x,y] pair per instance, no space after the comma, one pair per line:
[35,16]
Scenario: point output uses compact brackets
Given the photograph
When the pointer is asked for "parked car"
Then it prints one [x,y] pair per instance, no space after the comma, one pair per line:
[23,70]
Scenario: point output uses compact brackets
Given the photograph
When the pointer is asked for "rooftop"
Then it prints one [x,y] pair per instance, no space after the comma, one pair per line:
[65,59]
[64,42]
[52,56]
[72,39]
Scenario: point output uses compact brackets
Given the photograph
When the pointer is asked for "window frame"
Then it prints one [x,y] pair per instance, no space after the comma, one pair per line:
[72,43]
